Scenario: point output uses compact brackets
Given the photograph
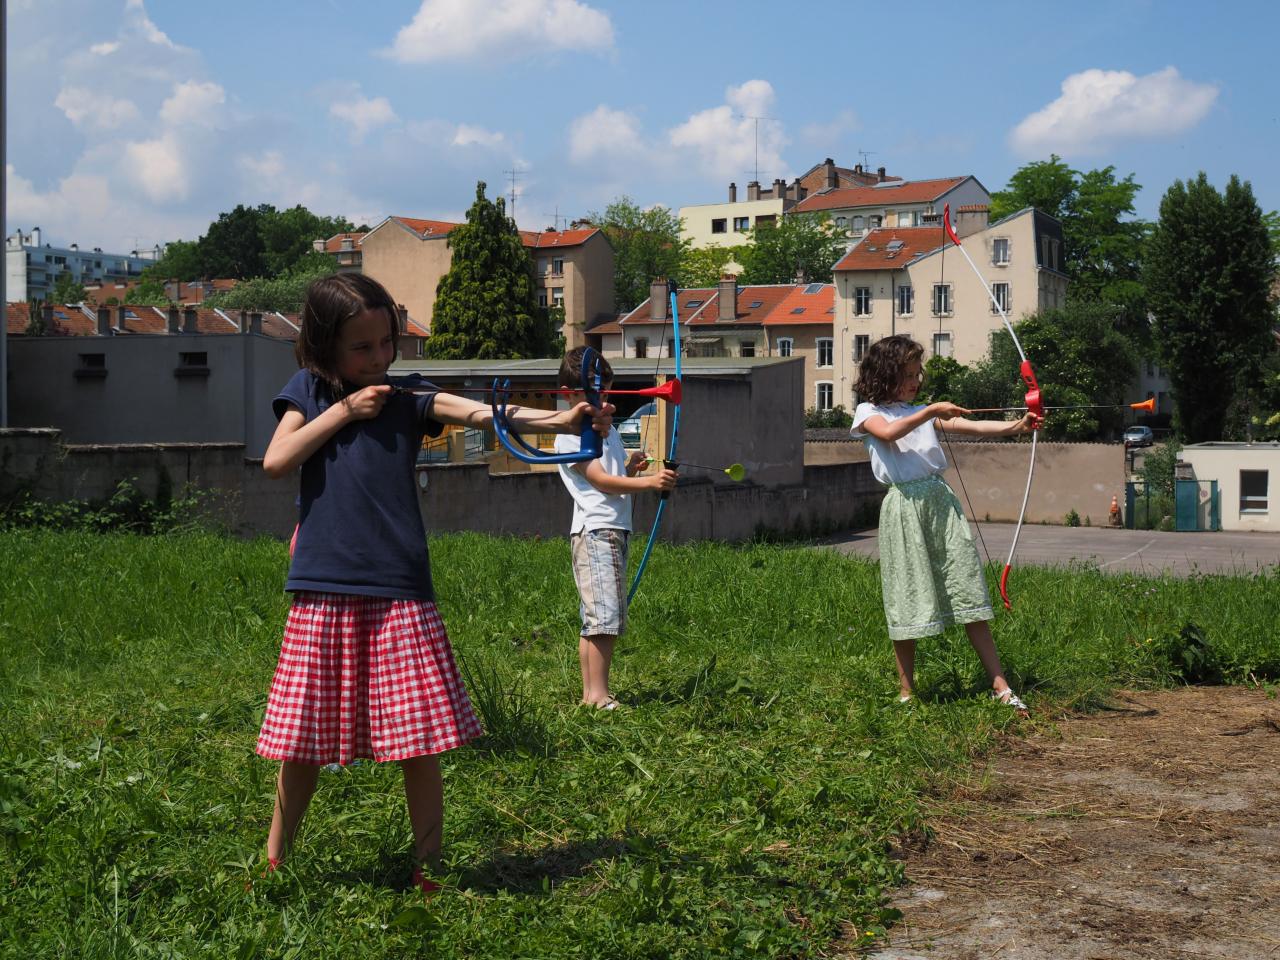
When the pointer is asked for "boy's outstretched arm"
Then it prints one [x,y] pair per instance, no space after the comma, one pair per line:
[611,483]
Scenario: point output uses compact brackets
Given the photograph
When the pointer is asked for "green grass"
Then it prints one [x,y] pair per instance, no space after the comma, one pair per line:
[742,805]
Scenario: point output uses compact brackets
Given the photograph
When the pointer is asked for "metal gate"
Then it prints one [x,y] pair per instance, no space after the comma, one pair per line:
[1197,505]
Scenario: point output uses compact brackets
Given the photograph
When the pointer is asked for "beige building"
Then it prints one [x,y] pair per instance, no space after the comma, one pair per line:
[856,210]
[725,224]
[912,281]
[574,269]
[1244,473]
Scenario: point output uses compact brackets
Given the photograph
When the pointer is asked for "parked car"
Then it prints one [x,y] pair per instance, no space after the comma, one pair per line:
[1138,437]
[630,430]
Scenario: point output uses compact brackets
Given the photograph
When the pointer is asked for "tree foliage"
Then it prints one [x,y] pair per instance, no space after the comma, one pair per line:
[67,289]
[704,266]
[149,292]
[646,244]
[1103,239]
[1208,269]
[486,305]
[283,293]
[800,248]
[1079,357]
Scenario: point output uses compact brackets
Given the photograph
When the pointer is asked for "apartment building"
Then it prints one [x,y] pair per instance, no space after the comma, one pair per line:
[912,281]
[32,267]
[855,211]
[345,250]
[573,269]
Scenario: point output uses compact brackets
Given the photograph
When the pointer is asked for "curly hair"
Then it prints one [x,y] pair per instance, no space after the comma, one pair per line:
[880,375]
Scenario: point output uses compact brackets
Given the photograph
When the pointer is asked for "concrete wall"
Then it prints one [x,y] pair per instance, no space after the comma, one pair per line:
[454,497]
[141,399]
[1079,476]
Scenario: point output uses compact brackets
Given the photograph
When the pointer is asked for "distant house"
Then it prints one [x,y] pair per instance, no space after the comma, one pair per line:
[32,268]
[573,269]
[855,211]
[345,250]
[1245,474]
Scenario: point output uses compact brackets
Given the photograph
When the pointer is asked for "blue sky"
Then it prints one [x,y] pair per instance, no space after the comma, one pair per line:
[132,122]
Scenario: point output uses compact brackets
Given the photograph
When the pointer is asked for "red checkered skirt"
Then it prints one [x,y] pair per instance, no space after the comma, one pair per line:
[364,677]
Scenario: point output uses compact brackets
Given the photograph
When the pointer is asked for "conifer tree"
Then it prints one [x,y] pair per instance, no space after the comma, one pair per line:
[1208,270]
[486,305]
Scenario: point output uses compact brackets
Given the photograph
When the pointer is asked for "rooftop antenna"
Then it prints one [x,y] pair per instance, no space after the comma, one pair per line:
[757,120]
[864,154]
[514,173]
[556,218]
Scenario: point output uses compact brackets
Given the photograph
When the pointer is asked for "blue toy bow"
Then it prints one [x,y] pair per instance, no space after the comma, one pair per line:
[592,380]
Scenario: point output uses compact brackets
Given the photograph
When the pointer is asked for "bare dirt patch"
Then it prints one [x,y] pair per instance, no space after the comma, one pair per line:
[1150,829]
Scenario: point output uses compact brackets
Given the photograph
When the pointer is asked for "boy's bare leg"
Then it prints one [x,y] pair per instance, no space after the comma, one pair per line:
[596,654]
[985,645]
[294,788]
[904,655]
[424,793]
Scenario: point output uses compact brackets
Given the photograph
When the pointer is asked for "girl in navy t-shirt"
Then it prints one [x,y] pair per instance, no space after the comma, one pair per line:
[365,669]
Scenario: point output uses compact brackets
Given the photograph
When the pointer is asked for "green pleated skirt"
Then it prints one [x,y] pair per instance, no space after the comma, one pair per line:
[929,567]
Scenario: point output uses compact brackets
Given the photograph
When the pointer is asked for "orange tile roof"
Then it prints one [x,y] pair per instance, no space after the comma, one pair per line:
[758,304]
[874,251]
[427,228]
[905,191]
[557,238]
[334,243]
[818,306]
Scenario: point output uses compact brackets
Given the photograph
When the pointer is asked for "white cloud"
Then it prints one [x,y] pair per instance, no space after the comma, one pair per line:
[136,14]
[96,109]
[363,114]
[728,142]
[158,168]
[193,102]
[604,133]
[467,135]
[456,30]
[1101,107]
[105,49]
[266,169]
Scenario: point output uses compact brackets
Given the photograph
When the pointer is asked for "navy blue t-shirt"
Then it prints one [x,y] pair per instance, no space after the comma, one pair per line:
[360,529]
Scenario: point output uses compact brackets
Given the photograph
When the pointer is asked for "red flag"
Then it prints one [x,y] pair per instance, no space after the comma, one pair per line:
[946,224]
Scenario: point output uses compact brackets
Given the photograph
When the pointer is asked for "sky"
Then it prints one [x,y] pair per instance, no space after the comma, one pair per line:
[136,122]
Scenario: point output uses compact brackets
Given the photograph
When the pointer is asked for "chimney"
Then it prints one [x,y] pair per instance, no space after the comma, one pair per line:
[800,192]
[244,322]
[104,321]
[829,171]
[46,313]
[971,218]
[402,317]
[779,188]
[880,176]
[753,190]
[255,322]
[317,246]
[175,324]
[728,301]
[189,317]
[121,313]
[35,236]
[733,193]
[658,299]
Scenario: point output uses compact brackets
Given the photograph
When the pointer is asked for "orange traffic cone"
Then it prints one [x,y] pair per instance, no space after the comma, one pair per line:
[1113,517]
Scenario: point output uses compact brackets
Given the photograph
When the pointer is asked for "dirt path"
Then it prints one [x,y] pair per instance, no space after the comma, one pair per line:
[1149,830]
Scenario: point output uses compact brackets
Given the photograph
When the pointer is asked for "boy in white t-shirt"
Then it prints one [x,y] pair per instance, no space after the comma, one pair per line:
[598,537]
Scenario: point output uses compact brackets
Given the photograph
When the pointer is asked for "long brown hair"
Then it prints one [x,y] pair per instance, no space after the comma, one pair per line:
[330,302]
[880,375]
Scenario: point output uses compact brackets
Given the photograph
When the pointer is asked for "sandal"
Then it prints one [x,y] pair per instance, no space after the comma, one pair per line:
[425,884]
[1011,699]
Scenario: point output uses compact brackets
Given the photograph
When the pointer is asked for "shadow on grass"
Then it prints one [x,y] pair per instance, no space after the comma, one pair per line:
[538,871]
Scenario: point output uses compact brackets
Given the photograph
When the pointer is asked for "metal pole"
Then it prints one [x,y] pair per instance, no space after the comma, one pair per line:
[4,207]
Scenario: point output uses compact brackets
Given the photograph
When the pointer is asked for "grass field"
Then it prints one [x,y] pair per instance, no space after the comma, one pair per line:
[741,805]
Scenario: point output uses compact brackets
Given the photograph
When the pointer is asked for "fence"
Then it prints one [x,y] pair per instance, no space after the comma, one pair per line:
[1194,505]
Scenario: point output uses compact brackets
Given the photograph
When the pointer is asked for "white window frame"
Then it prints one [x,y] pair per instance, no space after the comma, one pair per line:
[996,244]
[831,394]
[945,290]
[861,344]
[862,301]
[557,266]
[1256,505]
[1000,294]
[741,224]
[907,292]
[557,296]
[746,348]
[827,343]
[786,345]
[943,337]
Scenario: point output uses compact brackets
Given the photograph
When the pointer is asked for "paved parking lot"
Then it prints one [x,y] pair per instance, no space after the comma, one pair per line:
[1137,551]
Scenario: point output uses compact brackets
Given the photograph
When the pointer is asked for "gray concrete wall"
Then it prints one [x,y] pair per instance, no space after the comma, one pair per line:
[455,497]
[1079,476]
[141,400]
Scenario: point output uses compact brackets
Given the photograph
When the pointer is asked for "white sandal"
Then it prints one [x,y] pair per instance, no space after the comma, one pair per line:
[1011,699]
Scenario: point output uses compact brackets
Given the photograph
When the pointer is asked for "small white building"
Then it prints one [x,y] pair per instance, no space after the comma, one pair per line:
[1244,472]
[31,270]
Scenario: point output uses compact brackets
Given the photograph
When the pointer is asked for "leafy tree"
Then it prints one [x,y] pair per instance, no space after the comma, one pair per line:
[798,247]
[67,289]
[646,245]
[234,247]
[1208,270]
[287,235]
[284,293]
[703,267]
[181,260]
[1103,240]
[150,291]
[837,416]
[486,305]
[1272,222]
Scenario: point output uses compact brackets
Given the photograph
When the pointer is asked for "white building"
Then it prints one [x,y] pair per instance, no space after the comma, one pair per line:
[1243,472]
[32,269]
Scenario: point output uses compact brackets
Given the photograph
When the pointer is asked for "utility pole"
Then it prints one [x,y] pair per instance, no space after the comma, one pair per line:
[4,205]
[514,173]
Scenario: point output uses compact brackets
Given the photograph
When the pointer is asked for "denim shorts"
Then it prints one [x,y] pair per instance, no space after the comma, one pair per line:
[600,570]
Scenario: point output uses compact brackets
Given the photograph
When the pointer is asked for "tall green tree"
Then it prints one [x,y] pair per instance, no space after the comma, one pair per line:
[486,305]
[288,235]
[234,247]
[1103,239]
[284,292]
[181,260]
[1208,269]
[800,247]
[704,266]
[646,245]
[67,289]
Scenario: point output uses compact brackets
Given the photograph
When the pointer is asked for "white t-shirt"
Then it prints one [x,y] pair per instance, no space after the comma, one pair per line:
[592,509]
[913,457]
